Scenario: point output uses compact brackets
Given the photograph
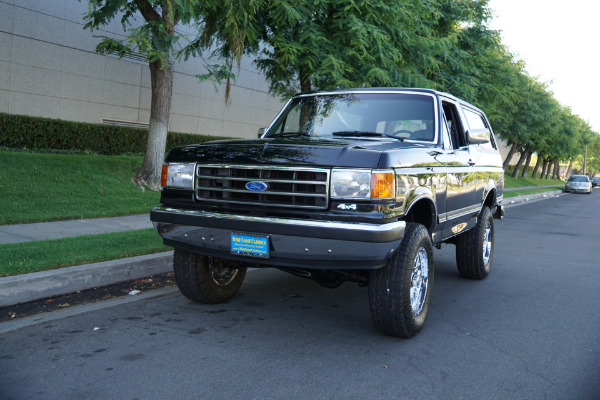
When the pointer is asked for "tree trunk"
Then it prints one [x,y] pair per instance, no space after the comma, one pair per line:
[304,77]
[569,168]
[556,173]
[160,109]
[526,165]
[548,169]
[537,167]
[510,155]
[544,167]
[515,173]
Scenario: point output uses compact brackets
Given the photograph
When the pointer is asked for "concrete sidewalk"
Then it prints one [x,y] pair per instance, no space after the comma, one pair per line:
[55,230]
[38,285]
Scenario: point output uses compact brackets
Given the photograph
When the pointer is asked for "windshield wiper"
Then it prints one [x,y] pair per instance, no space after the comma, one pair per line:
[285,134]
[364,133]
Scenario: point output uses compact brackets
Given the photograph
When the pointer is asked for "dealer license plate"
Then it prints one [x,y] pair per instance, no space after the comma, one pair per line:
[251,245]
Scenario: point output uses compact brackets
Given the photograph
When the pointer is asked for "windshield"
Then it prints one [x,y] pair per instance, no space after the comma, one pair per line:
[579,178]
[403,116]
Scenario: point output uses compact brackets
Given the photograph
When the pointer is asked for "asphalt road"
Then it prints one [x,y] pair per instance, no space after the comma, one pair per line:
[531,330]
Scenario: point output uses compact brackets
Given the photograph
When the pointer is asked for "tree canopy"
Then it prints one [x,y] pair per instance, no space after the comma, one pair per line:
[439,44]
[306,45]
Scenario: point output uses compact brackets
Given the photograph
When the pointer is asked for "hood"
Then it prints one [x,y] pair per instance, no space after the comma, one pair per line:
[330,152]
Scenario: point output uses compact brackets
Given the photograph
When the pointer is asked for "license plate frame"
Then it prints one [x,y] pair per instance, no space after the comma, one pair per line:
[249,244]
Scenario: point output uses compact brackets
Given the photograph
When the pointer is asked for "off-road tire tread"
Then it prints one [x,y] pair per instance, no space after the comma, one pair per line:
[391,310]
[194,281]
[469,245]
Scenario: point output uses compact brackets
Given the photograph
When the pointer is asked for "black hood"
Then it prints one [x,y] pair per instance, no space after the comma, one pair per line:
[306,151]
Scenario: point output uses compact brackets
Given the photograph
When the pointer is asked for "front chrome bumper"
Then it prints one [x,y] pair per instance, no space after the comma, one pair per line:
[293,242]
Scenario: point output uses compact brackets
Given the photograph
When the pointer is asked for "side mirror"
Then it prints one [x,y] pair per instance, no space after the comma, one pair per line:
[261,131]
[478,136]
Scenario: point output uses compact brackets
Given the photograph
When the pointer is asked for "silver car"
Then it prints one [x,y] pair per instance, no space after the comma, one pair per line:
[579,184]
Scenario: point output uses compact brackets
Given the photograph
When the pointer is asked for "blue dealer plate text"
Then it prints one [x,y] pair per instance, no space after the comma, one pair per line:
[245,244]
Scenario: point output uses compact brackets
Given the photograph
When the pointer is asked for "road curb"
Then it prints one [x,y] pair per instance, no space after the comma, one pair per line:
[37,285]
[513,201]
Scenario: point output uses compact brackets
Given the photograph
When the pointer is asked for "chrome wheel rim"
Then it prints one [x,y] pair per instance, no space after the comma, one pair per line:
[220,273]
[419,281]
[487,243]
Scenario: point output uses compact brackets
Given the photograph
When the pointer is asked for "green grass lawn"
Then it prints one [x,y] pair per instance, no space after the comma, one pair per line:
[48,187]
[22,258]
[511,182]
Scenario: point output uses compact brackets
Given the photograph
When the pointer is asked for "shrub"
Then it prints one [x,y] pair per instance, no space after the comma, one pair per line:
[35,133]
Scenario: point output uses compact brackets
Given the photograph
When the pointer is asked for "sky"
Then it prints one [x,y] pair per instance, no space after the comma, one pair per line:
[560,44]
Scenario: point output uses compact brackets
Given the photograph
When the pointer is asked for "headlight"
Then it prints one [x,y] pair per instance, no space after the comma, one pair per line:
[362,184]
[178,176]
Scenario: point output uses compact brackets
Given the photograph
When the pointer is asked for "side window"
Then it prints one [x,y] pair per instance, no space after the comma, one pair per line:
[475,120]
[457,133]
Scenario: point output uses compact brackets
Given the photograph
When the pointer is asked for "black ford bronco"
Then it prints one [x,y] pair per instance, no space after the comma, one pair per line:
[347,185]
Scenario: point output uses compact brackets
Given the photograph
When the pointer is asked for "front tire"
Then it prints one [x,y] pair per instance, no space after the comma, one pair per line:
[475,248]
[205,279]
[399,293]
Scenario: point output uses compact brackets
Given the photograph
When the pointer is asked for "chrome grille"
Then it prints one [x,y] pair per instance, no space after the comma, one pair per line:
[286,186]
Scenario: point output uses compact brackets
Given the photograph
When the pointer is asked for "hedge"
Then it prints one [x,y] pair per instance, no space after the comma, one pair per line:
[35,133]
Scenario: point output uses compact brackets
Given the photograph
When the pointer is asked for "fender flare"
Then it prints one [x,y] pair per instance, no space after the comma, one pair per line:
[423,195]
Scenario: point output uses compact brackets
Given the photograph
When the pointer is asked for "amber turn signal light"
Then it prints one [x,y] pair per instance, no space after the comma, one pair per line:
[382,185]
[163,175]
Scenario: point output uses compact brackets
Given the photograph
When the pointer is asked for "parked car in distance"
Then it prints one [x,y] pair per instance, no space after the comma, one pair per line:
[578,184]
[596,181]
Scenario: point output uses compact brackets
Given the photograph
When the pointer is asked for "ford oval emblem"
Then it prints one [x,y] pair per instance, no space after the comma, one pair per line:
[257,186]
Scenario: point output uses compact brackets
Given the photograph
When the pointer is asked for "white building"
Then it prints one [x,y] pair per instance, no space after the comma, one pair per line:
[49,68]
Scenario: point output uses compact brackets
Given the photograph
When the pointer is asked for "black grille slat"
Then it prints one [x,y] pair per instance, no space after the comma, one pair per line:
[287,186]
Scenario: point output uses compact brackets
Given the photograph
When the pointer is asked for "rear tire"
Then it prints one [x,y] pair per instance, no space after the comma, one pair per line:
[475,248]
[399,293]
[205,279]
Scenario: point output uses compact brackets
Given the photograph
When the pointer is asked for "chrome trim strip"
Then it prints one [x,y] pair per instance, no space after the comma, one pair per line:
[266,192]
[231,178]
[264,167]
[267,204]
[350,226]
[463,212]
